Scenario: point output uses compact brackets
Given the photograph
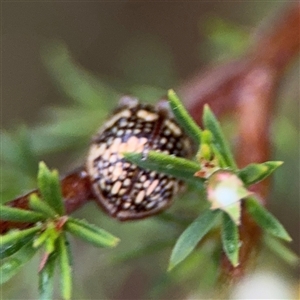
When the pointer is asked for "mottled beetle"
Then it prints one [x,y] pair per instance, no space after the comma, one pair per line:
[124,190]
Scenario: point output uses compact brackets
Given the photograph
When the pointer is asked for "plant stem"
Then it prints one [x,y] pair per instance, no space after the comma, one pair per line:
[248,87]
[76,191]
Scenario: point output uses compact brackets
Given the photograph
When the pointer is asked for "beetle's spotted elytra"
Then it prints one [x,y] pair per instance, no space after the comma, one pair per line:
[124,190]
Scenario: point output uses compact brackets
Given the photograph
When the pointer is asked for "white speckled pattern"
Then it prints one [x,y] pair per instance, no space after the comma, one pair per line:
[124,190]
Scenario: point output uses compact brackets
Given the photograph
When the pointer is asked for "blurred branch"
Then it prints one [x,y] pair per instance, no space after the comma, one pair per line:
[274,48]
[76,192]
[248,86]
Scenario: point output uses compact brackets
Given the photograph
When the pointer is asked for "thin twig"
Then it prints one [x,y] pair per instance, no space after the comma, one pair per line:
[76,192]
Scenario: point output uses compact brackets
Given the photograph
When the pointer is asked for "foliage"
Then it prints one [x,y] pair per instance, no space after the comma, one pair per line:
[217,153]
[91,102]
[227,40]
[49,226]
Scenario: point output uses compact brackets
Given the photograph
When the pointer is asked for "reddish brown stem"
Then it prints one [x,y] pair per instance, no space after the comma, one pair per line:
[249,86]
[278,44]
[274,47]
[76,192]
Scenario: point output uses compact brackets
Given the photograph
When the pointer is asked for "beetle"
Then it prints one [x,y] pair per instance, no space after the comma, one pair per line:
[122,189]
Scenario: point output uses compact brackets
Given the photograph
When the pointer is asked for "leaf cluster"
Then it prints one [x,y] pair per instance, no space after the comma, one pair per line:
[49,231]
[212,147]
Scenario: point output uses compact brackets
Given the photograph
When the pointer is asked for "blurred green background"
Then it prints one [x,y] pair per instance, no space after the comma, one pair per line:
[142,48]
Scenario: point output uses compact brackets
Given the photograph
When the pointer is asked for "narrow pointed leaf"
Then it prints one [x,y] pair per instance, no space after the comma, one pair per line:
[220,158]
[9,148]
[192,236]
[49,186]
[36,204]
[254,173]
[91,233]
[61,125]
[12,265]
[76,82]
[177,167]
[14,240]
[45,143]
[284,252]
[48,237]
[230,239]
[27,158]
[46,278]
[41,239]
[266,220]
[50,243]
[15,180]
[211,123]
[65,268]
[19,215]
[17,150]
[183,117]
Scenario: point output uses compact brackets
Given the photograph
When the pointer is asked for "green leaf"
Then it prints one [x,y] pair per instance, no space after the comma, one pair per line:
[220,158]
[15,180]
[12,241]
[212,124]
[254,173]
[46,278]
[183,117]
[192,236]
[9,148]
[50,243]
[230,239]
[41,239]
[76,82]
[227,40]
[35,203]
[17,150]
[278,248]
[65,267]
[49,186]
[14,263]
[177,167]
[266,220]
[63,122]
[48,237]
[91,233]
[45,143]
[19,215]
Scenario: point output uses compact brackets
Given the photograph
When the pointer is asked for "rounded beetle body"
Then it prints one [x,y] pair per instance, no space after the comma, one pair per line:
[124,190]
